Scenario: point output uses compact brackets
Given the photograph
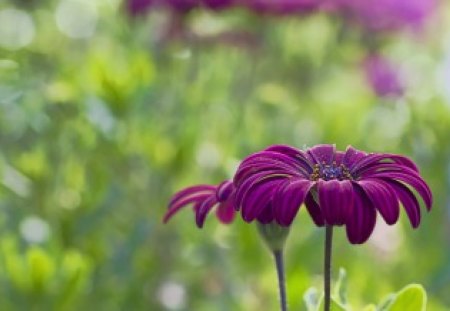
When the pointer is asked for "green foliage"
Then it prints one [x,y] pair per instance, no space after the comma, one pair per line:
[96,133]
[412,297]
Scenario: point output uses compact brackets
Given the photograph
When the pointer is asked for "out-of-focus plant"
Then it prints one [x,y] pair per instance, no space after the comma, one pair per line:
[37,272]
[101,120]
[412,297]
[375,22]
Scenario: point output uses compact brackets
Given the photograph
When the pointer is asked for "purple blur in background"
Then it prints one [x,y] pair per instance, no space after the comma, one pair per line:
[182,5]
[282,6]
[139,7]
[383,76]
[389,14]
[218,4]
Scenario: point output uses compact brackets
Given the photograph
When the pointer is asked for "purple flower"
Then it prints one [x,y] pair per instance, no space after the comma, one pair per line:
[204,198]
[388,14]
[218,4]
[282,6]
[139,7]
[181,5]
[382,76]
[337,188]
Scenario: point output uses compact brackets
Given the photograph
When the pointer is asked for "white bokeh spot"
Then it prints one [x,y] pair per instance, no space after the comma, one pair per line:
[76,19]
[17,29]
[34,229]
[172,295]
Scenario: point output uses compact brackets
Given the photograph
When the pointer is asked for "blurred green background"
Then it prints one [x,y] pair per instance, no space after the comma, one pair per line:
[102,118]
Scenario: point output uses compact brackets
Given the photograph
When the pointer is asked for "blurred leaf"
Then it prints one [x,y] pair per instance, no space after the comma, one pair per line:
[412,298]
[311,298]
[14,264]
[75,270]
[41,268]
[340,288]
[370,308]
[385,303]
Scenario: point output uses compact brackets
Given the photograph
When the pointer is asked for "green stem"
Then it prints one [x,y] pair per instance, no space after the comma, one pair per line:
[279,262]
[327,267]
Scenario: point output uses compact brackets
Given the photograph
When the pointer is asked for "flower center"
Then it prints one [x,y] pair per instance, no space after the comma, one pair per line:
[329,172]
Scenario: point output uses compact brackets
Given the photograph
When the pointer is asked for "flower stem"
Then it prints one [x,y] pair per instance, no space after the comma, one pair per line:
[279,262]
[327,267]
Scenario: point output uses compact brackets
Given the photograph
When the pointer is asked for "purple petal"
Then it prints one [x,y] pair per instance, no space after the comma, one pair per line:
[190,191]
[204,210]
[258,196]
[224,190]
[362,222]
[352,156]
[414,181]
[373,159]
[174,208]
[250,181]
[336,200]
[339,157]
[266,216]
[403,161]
[225,212]
[289,198]
[383,199]
[278,157]
[269,160]
[409,202]
[287,150]
[314,210]
[322,153]
[385,167]
[248,169]
[295,154]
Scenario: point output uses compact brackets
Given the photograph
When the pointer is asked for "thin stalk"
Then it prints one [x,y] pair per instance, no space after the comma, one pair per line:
[327,267]
[279,262]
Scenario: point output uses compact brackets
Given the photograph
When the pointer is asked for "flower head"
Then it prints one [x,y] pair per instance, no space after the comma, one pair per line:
[382,76]
[337,188]
[204,198]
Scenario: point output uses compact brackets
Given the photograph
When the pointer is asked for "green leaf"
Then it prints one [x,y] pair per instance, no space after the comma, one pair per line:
[386,302]
[339,295]
[340,288]
[412,298]
[41,268]
[311,299]
[370,308]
